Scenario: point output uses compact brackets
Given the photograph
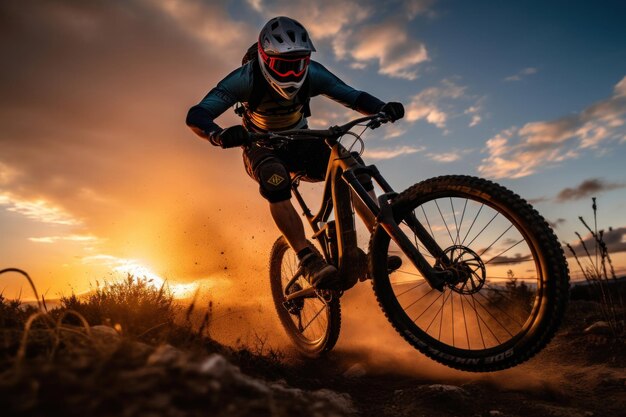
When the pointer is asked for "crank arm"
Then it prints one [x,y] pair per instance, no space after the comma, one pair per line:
[308,292]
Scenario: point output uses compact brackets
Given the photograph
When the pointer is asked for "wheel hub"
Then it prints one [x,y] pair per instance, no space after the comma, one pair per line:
[468,271]
[296,305]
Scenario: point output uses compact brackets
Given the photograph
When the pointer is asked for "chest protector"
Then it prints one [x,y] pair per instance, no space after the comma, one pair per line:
[265,111]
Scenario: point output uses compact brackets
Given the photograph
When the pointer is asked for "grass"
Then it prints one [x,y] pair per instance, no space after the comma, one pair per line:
[597,267]
[135,309]
[132,306]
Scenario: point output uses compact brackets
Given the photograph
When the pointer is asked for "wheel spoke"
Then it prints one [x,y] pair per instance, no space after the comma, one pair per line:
[429,306]
[474,301]
[427,221]
[419,299]
[410,289]
[494,242]
[444,222]
[465,324]
[502,310]
[458,231]
[483,229]
[314,317]
[472,225]
[452,318]
[456,225]
[505,251]
[493,317]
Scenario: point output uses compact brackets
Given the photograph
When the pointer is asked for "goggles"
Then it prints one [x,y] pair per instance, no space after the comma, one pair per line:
[285,67]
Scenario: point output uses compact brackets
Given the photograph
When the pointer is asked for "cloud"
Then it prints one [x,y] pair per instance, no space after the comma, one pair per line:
[39,210]
[394,131]
[518,152]
[615,240]
[448,157]
[429,104]
[209,23]
[522,74]
[587,188]
[68,238]
[387,44]
[323,19]
[94,142]
[353,34]
[474,111]
[555,224]
[390,153]
[416,7]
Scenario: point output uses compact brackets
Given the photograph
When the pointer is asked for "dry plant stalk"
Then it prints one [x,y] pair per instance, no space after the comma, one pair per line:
[594,268]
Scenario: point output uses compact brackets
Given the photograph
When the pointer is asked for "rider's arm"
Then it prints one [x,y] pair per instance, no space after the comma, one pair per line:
[236,87]
[326,83]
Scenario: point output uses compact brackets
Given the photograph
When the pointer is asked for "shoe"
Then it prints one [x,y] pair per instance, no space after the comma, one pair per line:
[319,273]
[393,263]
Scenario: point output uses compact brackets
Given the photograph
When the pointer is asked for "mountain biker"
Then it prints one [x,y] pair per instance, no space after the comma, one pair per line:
[274,88]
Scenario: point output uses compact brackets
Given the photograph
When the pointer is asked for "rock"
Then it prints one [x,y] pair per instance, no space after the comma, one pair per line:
[164,355]
[107,339]
[495,413]
[355,371]
[447,399]
[554,410]
[104,331]
[215,365]
[448,388]
[340,401]
[599,327]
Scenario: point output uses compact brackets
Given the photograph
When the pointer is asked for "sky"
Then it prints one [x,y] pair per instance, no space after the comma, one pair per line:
[99,176]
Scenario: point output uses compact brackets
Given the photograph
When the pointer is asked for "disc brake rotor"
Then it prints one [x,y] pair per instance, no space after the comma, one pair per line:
[468,270]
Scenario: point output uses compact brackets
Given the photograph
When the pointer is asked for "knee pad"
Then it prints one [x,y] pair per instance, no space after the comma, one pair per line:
[274,181]
[364,179]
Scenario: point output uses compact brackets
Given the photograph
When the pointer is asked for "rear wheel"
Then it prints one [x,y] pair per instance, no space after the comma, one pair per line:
[312,322]
[508,284]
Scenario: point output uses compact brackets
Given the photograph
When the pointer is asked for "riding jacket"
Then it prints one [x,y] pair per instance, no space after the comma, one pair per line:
[273,112]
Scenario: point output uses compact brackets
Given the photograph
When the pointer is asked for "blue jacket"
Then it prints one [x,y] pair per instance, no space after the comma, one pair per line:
[273,112]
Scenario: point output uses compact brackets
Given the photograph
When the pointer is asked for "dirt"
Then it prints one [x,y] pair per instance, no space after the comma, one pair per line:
[578,374]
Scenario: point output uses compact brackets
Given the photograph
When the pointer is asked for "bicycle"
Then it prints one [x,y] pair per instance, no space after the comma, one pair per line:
[458,296]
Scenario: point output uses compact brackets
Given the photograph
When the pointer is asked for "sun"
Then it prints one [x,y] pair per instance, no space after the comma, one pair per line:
[137,270]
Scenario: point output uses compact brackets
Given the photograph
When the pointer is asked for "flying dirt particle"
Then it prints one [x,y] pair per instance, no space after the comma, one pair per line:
[222,252]
[225,268]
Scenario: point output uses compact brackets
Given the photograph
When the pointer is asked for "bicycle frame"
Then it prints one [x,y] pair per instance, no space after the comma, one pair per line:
[341,184]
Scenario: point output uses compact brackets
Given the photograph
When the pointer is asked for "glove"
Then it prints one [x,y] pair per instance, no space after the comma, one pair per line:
[394,110]
[233,136]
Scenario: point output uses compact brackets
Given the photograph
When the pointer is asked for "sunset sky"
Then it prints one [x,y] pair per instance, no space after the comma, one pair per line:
[99,175]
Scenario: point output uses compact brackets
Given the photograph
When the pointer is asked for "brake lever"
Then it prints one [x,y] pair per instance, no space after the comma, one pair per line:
[373,124]
[378,120]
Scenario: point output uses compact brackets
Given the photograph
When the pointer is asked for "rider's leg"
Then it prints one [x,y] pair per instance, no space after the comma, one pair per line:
[275,186]
[315,269]
[289,224]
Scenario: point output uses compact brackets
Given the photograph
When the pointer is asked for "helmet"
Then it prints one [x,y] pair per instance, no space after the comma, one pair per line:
[284,55]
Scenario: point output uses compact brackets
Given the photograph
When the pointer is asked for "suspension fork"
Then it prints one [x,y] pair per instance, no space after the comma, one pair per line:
[384,216]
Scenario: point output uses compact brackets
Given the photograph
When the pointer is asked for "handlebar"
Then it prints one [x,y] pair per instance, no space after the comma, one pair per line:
[333,132]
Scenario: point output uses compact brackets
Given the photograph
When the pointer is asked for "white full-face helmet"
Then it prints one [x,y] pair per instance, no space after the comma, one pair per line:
[284,55]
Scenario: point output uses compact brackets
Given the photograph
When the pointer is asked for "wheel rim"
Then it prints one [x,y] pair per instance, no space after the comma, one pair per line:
[493,298]
[309,317]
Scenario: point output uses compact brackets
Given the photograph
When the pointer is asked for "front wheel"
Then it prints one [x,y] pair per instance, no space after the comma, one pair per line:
[507,287]
[312,322]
